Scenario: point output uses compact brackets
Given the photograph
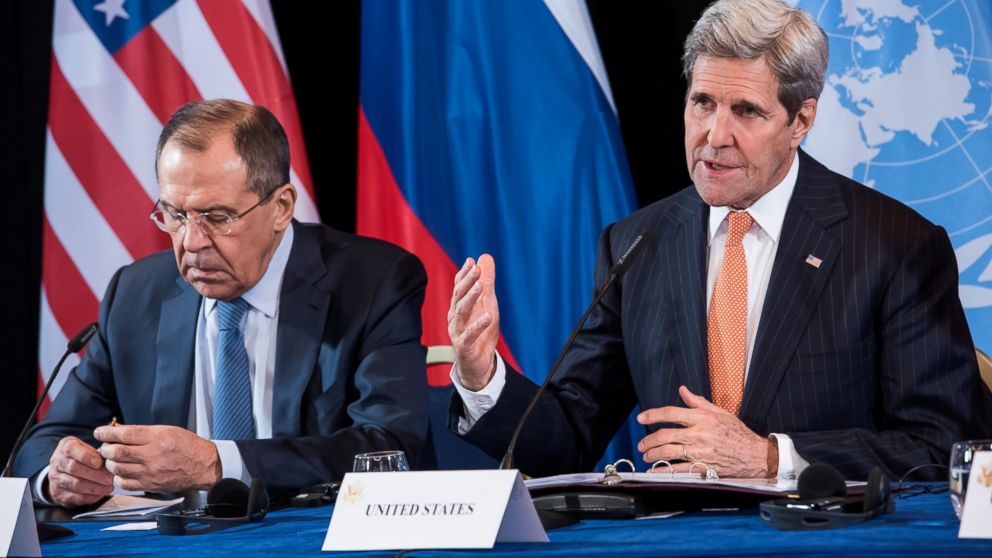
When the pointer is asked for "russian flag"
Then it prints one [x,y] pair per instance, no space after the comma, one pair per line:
[490,127]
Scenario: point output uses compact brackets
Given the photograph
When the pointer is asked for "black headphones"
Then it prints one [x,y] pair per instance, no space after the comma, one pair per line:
[229,503]
[823,502]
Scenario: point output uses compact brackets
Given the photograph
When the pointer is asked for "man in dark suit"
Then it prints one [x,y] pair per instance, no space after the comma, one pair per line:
[781,314]
[262,348]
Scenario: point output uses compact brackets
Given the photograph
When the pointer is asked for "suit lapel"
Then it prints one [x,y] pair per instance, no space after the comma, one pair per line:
[174,350]
[303,307]
[688,269]
[795,284]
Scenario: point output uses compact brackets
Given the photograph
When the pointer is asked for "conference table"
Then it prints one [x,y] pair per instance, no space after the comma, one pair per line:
[921,525]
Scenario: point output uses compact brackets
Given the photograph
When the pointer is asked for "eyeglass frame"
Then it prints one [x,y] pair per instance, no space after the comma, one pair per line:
[184,218]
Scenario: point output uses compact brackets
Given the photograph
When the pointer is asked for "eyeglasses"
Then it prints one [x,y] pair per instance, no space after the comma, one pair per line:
[211,223]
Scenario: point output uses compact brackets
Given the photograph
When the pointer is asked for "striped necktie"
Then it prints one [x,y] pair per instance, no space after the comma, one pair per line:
[232,406]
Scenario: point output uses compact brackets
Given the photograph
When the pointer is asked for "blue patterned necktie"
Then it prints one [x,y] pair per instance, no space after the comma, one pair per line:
[233,418]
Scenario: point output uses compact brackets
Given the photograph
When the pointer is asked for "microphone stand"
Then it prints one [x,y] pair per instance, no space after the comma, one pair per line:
[48,532]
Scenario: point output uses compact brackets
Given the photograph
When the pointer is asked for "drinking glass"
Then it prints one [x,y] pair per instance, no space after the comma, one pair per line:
[961,456]
[381,461]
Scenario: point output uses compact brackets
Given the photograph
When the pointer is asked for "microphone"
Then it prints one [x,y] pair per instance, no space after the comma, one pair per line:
[77,343]
[625,260]
[618,269]
[74,345]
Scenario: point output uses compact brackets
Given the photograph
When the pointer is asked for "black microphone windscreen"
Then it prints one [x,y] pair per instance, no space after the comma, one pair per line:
[820,480]
[77,343]
[628,257]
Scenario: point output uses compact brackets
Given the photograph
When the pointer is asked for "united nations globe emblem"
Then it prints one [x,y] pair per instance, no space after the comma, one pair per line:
[906,110]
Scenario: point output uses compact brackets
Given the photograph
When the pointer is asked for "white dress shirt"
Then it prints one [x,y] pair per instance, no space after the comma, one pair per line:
[760,245]
[260,329]
[261,323]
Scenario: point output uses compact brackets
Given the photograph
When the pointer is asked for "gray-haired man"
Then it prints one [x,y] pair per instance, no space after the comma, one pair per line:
[781,314]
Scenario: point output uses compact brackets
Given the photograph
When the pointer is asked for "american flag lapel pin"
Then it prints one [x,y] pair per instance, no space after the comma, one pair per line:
[814,261]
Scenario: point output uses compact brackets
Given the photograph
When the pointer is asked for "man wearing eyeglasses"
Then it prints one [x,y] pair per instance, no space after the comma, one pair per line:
[260,348]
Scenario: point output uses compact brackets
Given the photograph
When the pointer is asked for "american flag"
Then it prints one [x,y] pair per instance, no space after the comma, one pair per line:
[120,68]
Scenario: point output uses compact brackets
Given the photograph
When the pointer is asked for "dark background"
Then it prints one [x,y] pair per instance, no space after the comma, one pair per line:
[641,43]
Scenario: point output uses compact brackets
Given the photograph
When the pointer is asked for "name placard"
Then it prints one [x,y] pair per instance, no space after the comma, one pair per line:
[977,510]
[432,509]
[18,532]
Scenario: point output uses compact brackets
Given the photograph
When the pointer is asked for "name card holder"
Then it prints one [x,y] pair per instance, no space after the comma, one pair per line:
[18,531]
[432,509]
[977,510]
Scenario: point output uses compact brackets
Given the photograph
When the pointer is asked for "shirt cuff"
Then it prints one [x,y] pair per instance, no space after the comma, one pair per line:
[478,403]
[231,464]
[790,463]
[38,487]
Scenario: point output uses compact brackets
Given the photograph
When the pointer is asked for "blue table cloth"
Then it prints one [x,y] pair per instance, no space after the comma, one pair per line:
[924,525]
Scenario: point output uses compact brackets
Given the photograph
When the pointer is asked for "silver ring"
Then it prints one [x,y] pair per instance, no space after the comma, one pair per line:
[685,454]
[711,473]
[611,476]
[628,462]
[659,462]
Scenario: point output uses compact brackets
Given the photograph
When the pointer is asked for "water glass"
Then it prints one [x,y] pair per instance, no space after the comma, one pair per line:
[381,461]
[961,456]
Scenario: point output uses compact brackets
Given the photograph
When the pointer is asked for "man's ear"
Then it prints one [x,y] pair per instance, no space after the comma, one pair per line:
[803,122]
[285,200]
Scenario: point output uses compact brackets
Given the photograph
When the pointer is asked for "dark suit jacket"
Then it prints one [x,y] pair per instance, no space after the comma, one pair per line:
[349,378]
[865,360]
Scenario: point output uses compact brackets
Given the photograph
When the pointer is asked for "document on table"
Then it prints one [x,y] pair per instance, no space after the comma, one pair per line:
[681,480]
[133,526]
[119,507]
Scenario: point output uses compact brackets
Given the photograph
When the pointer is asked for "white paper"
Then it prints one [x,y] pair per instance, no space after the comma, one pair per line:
[767,486]
[18,531]
[658,515]
[432,509]
[128,506]
[133,526]
[975,518]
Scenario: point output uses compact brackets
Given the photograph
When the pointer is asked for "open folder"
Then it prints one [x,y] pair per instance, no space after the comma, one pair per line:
[639,481]
[634,494]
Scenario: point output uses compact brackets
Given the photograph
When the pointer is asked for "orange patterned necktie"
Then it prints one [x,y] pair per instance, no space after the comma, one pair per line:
[727,328]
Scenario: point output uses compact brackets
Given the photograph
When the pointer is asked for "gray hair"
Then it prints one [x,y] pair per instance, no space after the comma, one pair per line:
[790,41]
[258,138]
